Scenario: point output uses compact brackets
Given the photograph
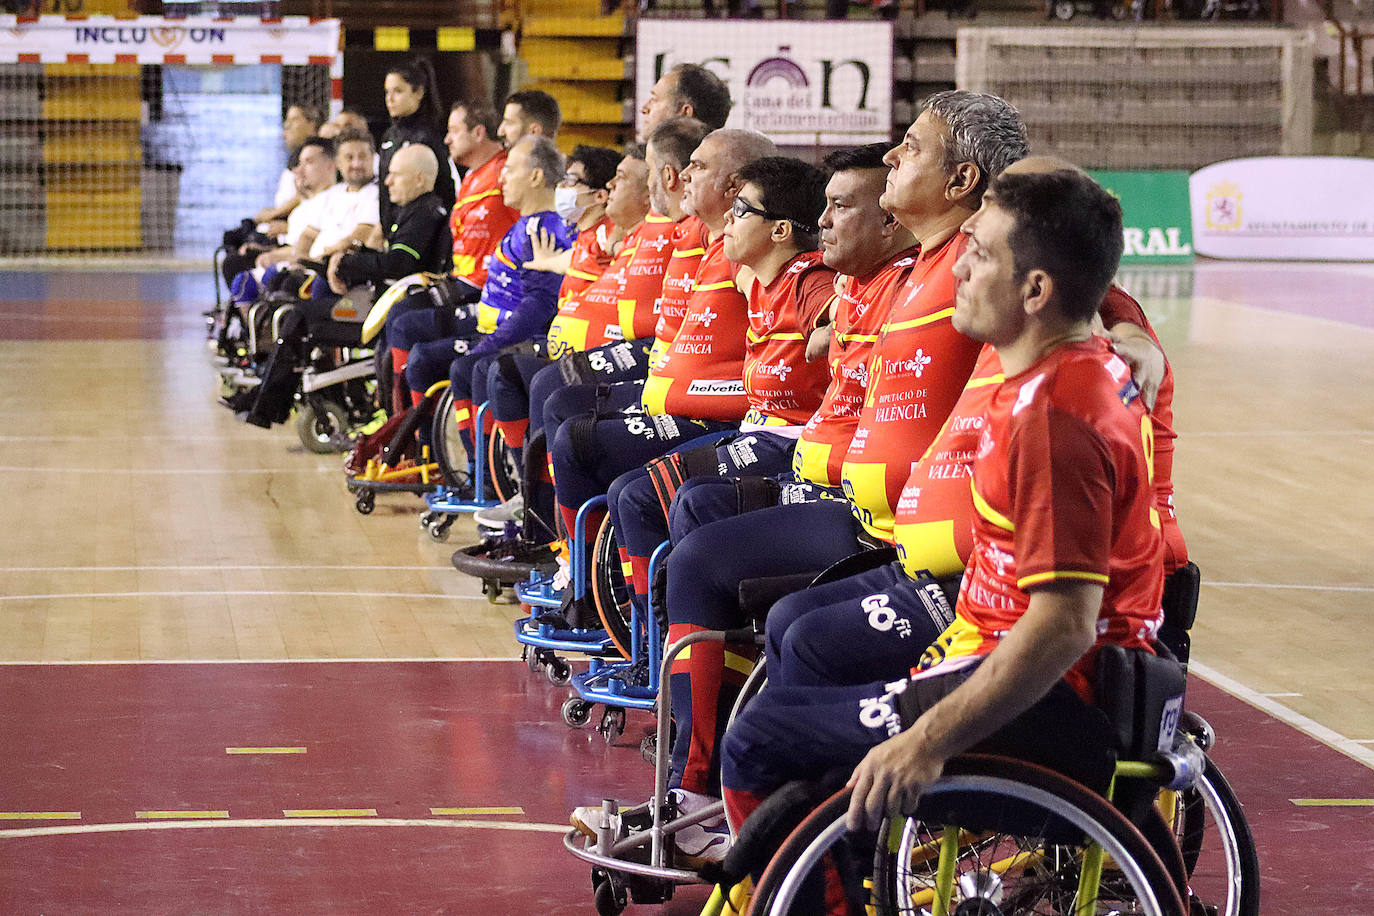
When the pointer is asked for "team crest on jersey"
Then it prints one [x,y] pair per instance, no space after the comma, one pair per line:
[1027,394]
[998,559]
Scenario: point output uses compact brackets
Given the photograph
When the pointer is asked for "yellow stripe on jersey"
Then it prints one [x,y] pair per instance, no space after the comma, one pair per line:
[474,197]
[728,284]
[959,640]
[1026,582]
[856,338]
[688,252]
[780,335]
[865,483]
[930,546]
[487,317]
[738,662]
[501,256]
[981,506]
[811,461]
[997,379]
[917,322]
[567,335]
[576,274]
[625,310]
[654,398]
[657,353]
[760,418]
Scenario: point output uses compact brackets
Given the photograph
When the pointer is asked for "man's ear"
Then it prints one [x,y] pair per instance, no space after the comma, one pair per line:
[1037,291]
[535,128]
[601,195]
[782,233]
[537,178]
[962,181]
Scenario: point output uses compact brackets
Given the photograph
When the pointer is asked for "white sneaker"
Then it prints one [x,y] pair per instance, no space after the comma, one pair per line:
[707,841]
[562,578]
[587,819]
[512,510]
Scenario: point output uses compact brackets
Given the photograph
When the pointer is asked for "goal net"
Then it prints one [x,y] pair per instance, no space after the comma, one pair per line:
[148,136]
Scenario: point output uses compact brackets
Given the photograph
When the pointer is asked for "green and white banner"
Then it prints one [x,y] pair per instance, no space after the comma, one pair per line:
[1158,223]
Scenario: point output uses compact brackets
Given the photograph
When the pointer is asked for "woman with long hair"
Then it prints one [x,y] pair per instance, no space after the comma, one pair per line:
[412,101]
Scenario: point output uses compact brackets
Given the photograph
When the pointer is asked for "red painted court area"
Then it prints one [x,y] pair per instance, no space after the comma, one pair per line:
[145,809]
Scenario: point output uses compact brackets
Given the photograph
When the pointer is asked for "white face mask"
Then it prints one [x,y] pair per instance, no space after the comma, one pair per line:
[565,204]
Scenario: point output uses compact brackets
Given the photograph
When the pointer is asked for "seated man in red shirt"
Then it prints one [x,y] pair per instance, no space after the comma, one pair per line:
[1067,551]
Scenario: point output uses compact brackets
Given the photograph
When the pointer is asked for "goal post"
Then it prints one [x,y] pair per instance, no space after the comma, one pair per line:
[148,136]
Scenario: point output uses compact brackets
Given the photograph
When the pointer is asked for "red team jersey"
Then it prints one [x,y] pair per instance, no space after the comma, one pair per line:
[480,219]
[863,307]
[689,247]
[782,387]
[589,260]
[934,521]
[917,371]
[1062,490]
[637,308]
[586,319]
[701,371]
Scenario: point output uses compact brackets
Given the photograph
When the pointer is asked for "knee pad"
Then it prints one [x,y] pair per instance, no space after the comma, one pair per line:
[672,470]
[586,446]
[757,493]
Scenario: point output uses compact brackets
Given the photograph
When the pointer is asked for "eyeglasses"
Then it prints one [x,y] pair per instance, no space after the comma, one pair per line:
[574,181]
[742,208]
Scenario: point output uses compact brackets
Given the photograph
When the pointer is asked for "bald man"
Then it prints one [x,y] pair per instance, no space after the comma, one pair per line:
[419,238]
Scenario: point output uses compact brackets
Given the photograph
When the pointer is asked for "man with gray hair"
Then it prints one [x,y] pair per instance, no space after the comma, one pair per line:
[918,368]
[517,302]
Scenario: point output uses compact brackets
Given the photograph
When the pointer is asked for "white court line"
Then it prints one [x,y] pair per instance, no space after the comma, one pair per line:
[1291,587]
[1308,726]
[451,823]
[166,471]
[231,593]
[210,566]
[1282,433]
[259,661]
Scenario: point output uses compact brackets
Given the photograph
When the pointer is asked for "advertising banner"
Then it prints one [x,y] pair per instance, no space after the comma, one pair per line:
[1291,208]
[801,83]
[154,40]
[1154,207]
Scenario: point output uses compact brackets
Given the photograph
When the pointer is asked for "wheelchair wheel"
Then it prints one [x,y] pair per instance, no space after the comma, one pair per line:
[321,425]
[1018,842]
[445,445]
[610,591]
[503,471]
[1218,850]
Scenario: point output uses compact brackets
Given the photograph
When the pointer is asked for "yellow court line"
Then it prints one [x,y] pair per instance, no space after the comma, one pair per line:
[453,812]
[179,815]
[1333,802]
[264,750]
[40,815]
[331,812]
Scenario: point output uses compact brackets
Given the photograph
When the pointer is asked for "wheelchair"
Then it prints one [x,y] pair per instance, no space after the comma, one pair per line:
[1054,863]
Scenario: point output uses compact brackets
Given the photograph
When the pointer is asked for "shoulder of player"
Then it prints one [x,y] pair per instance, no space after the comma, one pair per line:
[1087,381]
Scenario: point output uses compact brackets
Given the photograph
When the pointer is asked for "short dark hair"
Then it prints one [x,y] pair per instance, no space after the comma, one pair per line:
[353,135]
[675,138]
[540,107]
[475,113]
[598,162]
[544,155]
[1065,224]
[311,113]
[325,145]
[633,151]
[848,158]
[982,128]
[705,92]
[792,190]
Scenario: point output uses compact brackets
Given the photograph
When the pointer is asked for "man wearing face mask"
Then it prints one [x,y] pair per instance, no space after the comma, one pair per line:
[518,300]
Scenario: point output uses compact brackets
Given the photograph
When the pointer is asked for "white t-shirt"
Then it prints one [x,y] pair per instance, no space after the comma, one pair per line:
[286,188]
[305,214]
[342,209]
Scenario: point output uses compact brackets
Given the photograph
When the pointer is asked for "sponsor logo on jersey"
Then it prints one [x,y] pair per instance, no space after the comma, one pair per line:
[915,364]
[714,387]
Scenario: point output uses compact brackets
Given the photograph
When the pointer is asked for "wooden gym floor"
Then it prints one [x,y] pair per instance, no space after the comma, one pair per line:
[197,630]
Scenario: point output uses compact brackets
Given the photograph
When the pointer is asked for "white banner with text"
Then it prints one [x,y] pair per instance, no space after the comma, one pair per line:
[801,83]
[1290,208]
[155,40]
